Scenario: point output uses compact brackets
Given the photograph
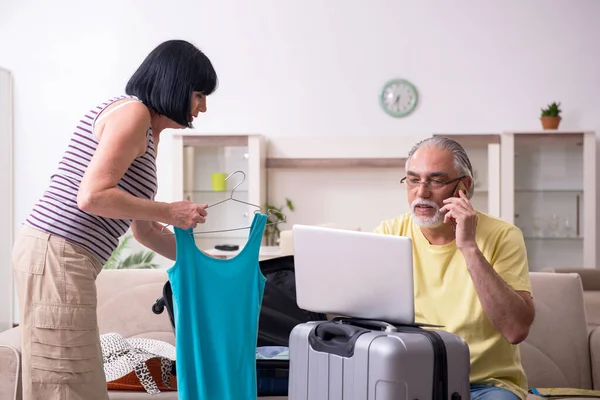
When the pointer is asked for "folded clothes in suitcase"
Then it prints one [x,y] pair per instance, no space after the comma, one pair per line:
[357,359]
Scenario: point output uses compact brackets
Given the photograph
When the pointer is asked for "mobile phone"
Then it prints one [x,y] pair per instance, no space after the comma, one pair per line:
[227,247]
[460,186]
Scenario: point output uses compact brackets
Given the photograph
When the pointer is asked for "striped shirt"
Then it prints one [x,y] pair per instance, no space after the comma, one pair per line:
[57,211]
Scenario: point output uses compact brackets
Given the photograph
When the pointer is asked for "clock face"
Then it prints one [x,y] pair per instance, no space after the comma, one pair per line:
[398,98]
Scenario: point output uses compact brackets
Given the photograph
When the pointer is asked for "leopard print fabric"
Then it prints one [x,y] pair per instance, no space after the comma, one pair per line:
[122,355]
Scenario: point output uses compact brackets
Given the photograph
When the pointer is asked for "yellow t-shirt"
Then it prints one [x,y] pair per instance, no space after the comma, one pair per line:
[445,294]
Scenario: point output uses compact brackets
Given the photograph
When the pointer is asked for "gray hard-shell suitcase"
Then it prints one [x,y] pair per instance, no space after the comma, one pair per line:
[354,359]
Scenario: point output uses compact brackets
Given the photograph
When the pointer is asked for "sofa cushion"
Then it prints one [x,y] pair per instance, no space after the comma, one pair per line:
[590,277]
[590,280]
[556,352]
[595,357]
[10,363]
[592,307]
[125,299]
[9,372]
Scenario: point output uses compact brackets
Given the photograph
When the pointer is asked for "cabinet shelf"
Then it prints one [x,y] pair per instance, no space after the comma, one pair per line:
[215,192]
[336,162]
[553,238]
[574,191]
[211,197]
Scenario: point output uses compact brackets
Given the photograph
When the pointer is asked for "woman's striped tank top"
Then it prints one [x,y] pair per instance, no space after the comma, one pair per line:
[57,212]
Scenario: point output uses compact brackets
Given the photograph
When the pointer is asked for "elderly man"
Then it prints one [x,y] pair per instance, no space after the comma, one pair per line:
[470,269]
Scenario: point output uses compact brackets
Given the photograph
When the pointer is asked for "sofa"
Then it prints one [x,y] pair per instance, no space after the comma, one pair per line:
[590,280]
[559,351]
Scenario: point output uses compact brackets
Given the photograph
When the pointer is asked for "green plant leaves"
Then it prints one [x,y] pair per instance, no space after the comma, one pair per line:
[552,110]
[141,259]
[289,204]
[272,232]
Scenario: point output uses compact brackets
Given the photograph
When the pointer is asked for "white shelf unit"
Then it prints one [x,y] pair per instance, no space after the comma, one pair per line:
[196,157]
[329,178]
[548,189]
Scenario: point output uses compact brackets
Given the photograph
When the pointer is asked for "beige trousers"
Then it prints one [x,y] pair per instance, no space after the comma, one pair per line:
[56,286]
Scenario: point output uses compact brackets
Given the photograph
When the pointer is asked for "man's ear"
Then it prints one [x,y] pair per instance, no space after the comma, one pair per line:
[469,182]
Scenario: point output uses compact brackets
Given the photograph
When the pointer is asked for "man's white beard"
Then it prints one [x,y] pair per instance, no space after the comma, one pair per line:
[427,222]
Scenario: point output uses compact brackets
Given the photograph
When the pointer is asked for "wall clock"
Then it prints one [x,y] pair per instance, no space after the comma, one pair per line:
[398,98]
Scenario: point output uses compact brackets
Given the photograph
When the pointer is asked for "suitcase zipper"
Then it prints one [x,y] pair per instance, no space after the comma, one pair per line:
[440,385]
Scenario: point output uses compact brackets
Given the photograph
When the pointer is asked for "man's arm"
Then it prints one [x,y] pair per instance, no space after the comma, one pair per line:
[510,311]
[502,289]
[149,234]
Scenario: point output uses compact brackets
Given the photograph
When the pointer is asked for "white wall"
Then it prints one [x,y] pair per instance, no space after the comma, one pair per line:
[294,68]
[304,68]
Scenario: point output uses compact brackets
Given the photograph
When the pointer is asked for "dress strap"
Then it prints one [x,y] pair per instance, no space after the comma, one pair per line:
[256,230]
[107,113]
[184,240]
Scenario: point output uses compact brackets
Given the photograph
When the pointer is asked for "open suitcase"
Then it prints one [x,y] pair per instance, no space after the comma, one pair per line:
[357,359]
[279,314]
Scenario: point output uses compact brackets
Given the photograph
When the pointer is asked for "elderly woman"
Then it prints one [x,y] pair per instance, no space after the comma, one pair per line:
[104,184]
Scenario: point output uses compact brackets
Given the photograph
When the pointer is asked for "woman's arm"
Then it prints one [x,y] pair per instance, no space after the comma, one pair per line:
[122,140]
[153,236]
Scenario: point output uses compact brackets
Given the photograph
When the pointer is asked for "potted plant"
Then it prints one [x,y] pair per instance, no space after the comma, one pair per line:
[272,231]
[141,259]
[551,116]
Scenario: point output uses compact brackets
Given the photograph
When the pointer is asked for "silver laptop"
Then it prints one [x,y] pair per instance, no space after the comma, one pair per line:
[354,274]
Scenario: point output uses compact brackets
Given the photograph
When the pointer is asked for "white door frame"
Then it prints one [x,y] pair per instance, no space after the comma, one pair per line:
[7,302]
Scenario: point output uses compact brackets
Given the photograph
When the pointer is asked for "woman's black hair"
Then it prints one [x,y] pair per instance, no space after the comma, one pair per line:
[167,77]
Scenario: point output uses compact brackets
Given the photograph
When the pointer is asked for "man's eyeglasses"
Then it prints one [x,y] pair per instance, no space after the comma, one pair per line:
[433,184]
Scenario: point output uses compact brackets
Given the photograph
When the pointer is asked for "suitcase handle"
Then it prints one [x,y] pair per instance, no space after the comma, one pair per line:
[334,338]
[385,326]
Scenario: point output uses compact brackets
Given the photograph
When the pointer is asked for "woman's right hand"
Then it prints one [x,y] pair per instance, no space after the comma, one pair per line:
[185,214]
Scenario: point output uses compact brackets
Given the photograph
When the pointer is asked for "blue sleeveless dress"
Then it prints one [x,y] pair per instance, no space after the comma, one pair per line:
[216,305]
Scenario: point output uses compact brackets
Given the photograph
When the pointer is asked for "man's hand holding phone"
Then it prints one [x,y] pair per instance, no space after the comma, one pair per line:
[460,213]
